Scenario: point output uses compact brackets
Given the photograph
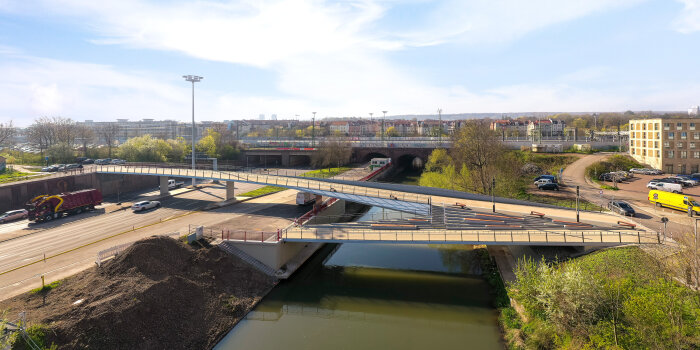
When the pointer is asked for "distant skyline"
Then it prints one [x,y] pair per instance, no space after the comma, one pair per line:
[124,59]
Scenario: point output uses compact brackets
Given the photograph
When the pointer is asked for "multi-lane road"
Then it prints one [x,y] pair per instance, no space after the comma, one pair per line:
[70,244]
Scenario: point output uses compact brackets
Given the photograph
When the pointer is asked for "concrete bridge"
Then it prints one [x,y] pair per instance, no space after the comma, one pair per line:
[434,216]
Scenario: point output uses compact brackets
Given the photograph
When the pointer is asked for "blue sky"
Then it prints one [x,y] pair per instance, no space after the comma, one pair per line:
[104,60]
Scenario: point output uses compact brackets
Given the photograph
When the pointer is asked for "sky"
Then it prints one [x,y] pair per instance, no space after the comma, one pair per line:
[103,60]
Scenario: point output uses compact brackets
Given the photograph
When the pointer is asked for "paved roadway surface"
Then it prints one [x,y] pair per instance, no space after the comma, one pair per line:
[634,192]
[71,243]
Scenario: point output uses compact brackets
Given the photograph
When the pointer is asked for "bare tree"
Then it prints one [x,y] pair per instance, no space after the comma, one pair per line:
[42,133]
[7,132]
[480,149]
[65,129]
[85,135]
[108,132]
[331,153]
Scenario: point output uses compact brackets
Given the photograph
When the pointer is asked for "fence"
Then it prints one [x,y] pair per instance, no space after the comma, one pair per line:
[111,252]
[538,237]
[239,235]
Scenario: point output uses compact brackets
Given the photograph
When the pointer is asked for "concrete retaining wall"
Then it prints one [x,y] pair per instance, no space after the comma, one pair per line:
[14,196]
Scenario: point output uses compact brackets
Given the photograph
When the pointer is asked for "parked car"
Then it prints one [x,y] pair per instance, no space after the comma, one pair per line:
[654,172]
[145,205]
[621,208]
[639,170]
[685,180]
[13,215]
[607,177]
[665,186]
[49,169]
[60,167]
[542,182]
[87,161]
[103,161]
[673,180]
[551,178]
[548,186]
[118,161]
[73,166]
[80,159]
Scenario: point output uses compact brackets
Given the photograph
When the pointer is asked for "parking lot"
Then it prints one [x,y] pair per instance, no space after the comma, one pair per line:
[636,187]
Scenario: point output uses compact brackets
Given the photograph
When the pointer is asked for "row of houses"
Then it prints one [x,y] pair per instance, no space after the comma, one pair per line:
[530,128]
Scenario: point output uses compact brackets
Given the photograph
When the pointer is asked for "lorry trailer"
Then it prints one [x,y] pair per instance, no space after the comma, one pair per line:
[48,207]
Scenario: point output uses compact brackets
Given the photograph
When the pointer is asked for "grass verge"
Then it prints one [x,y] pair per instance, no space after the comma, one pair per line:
[263,190]
[46,287]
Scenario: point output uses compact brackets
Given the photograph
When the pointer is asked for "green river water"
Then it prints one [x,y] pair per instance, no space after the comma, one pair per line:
[376,296]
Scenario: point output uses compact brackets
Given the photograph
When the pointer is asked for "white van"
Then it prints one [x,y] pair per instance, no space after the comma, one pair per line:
[304,198]
[665,186]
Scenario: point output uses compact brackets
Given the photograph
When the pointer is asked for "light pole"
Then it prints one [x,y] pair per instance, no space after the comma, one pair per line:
[383,124]
[371,121]
[193,79]
[439,127]
[313,130]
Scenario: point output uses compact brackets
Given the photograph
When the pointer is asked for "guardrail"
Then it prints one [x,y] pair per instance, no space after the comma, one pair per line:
[108,253]
[546,237]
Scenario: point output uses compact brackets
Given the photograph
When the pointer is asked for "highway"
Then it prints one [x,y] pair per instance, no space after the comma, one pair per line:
[71,243]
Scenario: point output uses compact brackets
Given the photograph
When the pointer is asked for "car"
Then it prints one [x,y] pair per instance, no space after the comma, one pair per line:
[606,177]
[80,159]
[87,161]
[685,179]
[49,169]
[73,166]
[551,178]
[118,161]
[674,180]
[13,215]
[654,172]
[103,161]
[548,186]
[543,181]
[665,186]
[60,167]
[621,208]
[145,205]
[638,170]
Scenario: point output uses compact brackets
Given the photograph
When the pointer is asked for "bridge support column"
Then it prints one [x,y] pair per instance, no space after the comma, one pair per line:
[164,190]
[230,190]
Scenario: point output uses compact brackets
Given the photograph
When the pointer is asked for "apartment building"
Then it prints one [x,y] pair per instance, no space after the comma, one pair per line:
[669,144]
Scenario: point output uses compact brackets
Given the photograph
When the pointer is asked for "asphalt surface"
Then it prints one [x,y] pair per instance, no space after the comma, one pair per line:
[647,214]
[70,244]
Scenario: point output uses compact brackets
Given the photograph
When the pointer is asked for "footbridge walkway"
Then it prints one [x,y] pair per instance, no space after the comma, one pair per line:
[444,218]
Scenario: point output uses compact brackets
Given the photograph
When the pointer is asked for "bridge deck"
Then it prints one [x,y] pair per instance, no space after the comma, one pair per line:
[475,224]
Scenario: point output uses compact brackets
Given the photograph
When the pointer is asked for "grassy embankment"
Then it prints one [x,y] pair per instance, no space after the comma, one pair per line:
[511,181]
[11,175]
[321,173]
[613,163]
[619,298]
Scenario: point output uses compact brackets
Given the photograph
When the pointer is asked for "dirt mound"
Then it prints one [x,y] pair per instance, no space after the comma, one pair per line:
[158,294]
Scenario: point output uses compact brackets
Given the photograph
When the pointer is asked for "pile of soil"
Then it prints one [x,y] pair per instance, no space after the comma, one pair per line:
[158,294]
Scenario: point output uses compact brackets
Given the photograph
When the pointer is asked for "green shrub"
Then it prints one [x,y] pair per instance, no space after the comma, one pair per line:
[509,318]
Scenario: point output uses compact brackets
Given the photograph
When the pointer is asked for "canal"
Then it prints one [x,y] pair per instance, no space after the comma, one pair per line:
[376,296]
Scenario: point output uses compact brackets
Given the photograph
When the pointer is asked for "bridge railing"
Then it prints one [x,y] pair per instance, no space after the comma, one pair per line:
[548,237]
[240,235]
[293,182]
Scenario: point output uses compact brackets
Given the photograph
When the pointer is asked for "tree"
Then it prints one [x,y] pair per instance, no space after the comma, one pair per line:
[331,153]
[145,149]
[85,135]
[61,153]
[580,123]
[42,134]
[438,160]
[391,132]
[480,150]
[207,144]
[108,132]
[7,132]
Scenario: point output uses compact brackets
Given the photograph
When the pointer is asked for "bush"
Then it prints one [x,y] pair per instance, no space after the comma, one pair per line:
[613,163]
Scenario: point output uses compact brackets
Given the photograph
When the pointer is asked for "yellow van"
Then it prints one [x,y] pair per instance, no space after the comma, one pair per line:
[673,200]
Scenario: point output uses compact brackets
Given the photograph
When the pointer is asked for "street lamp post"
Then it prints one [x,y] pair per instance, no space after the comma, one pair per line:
[371,121]
[439,127]
[193,79]
[383,124]
[313,130]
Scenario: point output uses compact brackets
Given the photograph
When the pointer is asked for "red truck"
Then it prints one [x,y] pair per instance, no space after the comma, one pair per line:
[46,208]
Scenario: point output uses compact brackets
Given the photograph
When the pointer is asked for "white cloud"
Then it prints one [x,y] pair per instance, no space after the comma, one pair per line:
[689,19]
[329,57]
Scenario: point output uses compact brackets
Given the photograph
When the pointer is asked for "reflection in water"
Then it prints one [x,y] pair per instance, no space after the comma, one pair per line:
[376,296]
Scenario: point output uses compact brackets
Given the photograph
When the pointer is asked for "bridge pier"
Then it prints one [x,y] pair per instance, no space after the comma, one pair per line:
[230,194]
[164,190]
